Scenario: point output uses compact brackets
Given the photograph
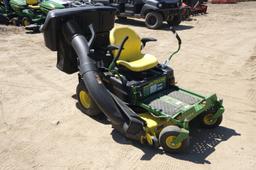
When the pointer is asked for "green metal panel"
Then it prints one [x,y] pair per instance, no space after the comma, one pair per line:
[184,112]
[18,5]
[154,86]
[47,6]
[183,135]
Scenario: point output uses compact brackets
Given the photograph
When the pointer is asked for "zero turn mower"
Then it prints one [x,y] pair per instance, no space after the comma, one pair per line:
[137,94]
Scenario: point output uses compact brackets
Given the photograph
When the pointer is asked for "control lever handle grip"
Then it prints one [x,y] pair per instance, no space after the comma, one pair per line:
[177,36]
[93,35]
[121,47]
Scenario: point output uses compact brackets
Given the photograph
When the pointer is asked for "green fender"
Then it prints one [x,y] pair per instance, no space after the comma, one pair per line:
[47,6]
[18,5]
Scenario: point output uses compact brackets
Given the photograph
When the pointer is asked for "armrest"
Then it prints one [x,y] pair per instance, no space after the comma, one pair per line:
[111,48]
[147,39]
[34,6]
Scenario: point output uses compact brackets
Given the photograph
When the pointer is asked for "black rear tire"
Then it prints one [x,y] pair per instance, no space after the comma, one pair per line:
[25,21]
[121,18]
[175,21]
[3,19]
[153,20]
[206,122]
[15,21]
[186,14]
[168,134]
[87,105]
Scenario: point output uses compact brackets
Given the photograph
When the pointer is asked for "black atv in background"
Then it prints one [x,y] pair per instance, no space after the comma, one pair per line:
[155,12]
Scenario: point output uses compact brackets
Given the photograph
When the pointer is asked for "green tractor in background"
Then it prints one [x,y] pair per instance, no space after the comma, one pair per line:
[31,11]
[3,16]
[5,12]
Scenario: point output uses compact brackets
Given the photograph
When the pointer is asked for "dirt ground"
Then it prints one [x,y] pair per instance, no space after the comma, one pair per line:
[41,127]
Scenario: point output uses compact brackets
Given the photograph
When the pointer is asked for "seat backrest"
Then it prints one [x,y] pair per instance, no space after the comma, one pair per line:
[32,2]
[132,47]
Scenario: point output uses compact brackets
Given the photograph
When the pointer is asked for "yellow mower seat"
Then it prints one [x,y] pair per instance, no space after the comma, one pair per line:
[33,4]
[131,56]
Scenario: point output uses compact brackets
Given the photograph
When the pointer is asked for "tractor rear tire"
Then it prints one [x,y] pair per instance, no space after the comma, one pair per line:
[175,21]
[121,18]
[167,135]
[14,21]
[87,105]
[25,21]
[153,20]
[4,19]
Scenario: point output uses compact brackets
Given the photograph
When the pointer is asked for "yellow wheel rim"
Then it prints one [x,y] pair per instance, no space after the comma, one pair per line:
[13,22]
[169,142]
[26,22]
[85,99]
[149,139]
[209,120]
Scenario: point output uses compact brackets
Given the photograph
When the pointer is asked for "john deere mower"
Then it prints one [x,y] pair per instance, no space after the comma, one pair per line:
[133,90]
[46,6]
[32,11]
[6,13]
[3,13]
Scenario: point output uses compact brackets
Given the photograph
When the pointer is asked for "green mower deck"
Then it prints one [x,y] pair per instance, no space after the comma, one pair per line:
[181,106]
